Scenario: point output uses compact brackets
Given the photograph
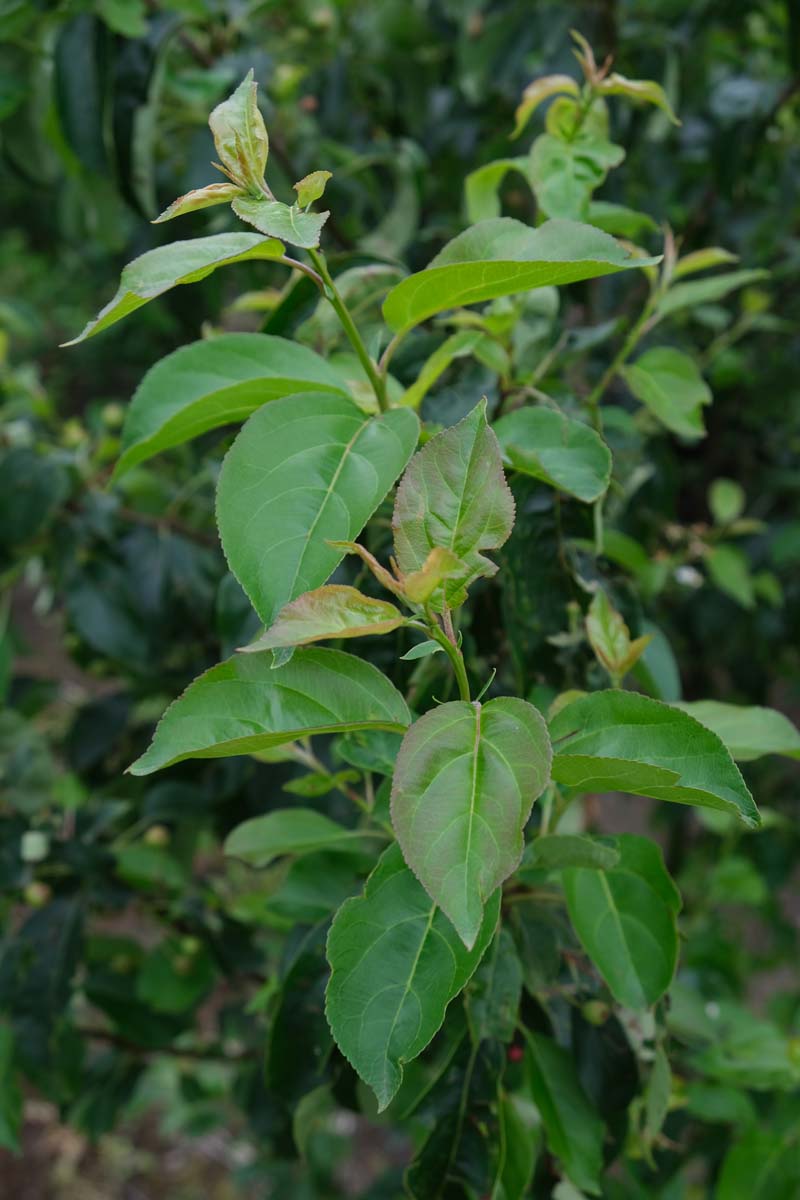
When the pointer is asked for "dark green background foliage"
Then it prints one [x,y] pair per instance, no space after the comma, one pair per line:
[153,990]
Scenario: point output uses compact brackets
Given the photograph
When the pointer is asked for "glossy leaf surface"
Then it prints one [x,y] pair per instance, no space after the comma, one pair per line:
[464,784]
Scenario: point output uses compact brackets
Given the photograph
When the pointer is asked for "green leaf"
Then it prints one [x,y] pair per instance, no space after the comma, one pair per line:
[502,256]
[334,611]
[559,851]
[610,638]
[311,187]
[564,174]
[625,918]
[730,571]
[763,1165]
[458,345]
[620,221]
[494,992]
[156,271]
[278,220]
[464,785]
[701,260]
[482,187]
[620,741]
[396,963]
[748,732]
[10,1093]
[538,91]
[204,197]
[669,383]
[290,831]
[453,495]
[244,705]
[644,90]
[216,382]
[573,1129]
[305,471]
[706,291]
[422,650]
[521,1137]
[556,449]
[172,981]
[726,499]
[657,1095]
[240,135]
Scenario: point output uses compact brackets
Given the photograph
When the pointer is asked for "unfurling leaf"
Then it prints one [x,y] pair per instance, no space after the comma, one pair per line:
[454,496]
[556,449]
[441,564]
[289,223]
[464,785]
[626,919]
[396,963]
[245,705]
[610,638]
[305,471]
[311,187]
[335,611]
[622,742]
[204,197]
[644,90]
[538,91]
[156,271]
[669,383]
[240,136]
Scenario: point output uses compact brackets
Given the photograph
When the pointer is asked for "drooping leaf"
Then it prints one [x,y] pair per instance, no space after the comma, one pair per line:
[454,496]
[494,992]
[333,611]
[482,187]
[240,135]
[556,449]
[669,383]
[644,90]
[290,831]
[244,705]
[499,257]
[464,784]
[748,732]
[538,91]
[620,741]
[458,345]
[573,1129]
[216,382]
[305,471]
[706,291]
[204,197]
[156,271]
[521,1136]
[625,918]
[278,220]
[311,187]
[396,963]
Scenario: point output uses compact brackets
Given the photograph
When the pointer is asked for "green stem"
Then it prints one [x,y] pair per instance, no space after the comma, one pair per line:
[349,326]
[456,658]
[625,350]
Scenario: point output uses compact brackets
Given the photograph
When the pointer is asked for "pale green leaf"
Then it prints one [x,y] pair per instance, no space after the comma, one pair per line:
[333,611]
[422,650]
[311,187]
[644,90]
[464,785]
[726,499]
[538,91]
[216,382]
[156,271]
[290,831]
[396,963]
[657,1095]
[453,495]
[573,1129]
[615,741]
[278,220]
[244,705]
[706,291]
[626,920]
[670,385]
[702,260]
[458,345]
[204,197]
[748,732]
[564,174]
[730,571]
[482,187]
[304,471]
[499,257]
[620,221]
[610,638]
[556,449]
[240,135]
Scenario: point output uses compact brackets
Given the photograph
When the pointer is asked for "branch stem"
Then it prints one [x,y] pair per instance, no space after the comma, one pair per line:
[348,325]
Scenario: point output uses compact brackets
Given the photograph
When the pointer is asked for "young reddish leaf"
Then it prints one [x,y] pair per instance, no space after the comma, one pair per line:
[240,135]
[335,611]
[204,197]
[538,91]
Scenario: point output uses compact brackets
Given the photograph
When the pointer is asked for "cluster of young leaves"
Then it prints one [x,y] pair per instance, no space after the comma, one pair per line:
[510,1072]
